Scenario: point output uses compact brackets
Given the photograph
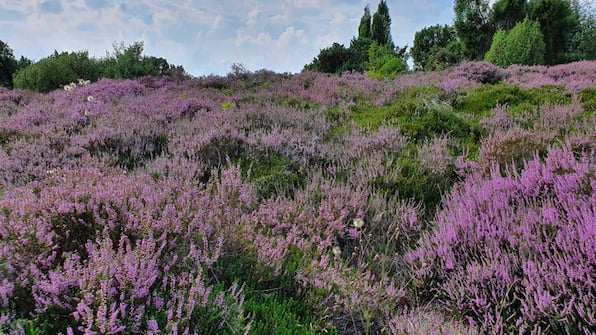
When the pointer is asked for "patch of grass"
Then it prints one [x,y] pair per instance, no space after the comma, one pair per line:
[587,99]
[271,173]
[273,301]
[480,102]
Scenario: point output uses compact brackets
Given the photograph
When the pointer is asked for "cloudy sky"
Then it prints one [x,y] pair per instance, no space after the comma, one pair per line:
[206,36]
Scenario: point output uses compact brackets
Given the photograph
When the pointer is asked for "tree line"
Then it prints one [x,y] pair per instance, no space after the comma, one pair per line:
[59,69]
[524,32]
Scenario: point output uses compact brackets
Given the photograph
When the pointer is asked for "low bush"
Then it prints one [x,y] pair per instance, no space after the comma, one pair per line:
[513,252]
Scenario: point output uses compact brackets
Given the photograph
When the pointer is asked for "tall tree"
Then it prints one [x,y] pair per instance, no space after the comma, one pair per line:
[474,27]
[434,48]
[364,29]
[8,65]
[381,25]
[507,13]
[558,21]
[584,39]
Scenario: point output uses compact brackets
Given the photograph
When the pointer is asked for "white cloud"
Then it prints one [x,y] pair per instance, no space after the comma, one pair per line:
[291,35]
[338,19]
[257,17]
[206,36]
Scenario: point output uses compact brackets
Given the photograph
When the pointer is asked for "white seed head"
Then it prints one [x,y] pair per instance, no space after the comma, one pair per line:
[358,223]
[336,251]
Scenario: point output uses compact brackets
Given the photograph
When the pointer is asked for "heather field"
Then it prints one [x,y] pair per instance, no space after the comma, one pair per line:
[456,202]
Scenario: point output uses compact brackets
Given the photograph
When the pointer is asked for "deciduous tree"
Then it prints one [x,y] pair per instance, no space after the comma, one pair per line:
[523,45]
[435,48]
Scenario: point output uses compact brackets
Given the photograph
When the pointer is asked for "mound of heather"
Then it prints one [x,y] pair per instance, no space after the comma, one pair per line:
[516,251]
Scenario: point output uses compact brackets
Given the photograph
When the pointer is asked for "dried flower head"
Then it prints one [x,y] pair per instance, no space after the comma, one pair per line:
[336,251]
[358,223]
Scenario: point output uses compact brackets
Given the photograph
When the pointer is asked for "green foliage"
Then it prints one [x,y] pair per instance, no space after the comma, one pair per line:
[384,62]
[420,114]
[275,315]
[338,59]
[584,38]
[381,25]
[435,48]
[329,60]
[357,55]
[415,183]
[272,301]
[587,99]
[496,53]
[364,29]
[523,45]
[57,70]
[480,102]
[271,173]
[473,27]
[129,63]
[557,22]
[507,13]
[63,68]
[8,65]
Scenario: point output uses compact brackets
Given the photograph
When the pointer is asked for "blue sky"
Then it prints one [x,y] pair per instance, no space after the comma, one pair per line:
[206,36]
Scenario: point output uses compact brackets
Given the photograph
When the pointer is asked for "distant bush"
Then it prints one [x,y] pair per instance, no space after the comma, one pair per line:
[61,69]
[57,70]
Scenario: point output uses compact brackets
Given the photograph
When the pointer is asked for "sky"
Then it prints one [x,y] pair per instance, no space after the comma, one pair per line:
[206,36]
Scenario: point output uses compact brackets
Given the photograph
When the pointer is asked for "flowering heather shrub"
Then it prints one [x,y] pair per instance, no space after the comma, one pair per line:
[130,138]
[154,205]
[516,251]
[403,83]
[435,156]
[500,120]
[424,321]
[115,253]
[512,146]
[9,101]
[470,75]
[575,76]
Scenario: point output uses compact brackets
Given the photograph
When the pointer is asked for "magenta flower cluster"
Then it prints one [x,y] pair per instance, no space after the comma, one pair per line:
[120,199]
[517,251]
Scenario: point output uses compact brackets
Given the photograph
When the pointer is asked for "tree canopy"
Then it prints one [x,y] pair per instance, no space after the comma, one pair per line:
[59,69]
[436,48]
[8,65]
[522,45]
[372,51]
[474,27]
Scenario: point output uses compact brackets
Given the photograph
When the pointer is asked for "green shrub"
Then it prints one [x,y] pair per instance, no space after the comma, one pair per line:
[57,70]
[481,101]
[523,45]
[384,62]
[587,99]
